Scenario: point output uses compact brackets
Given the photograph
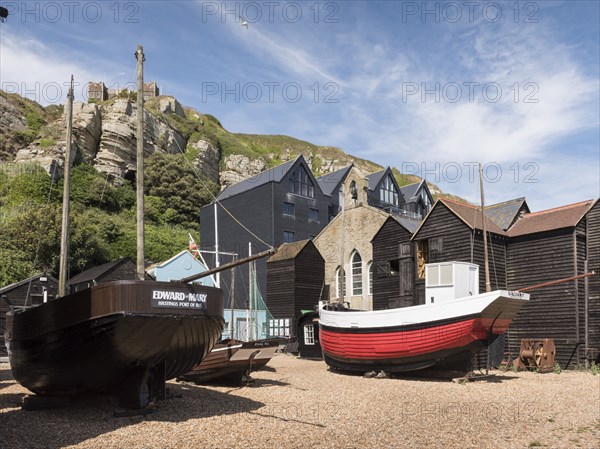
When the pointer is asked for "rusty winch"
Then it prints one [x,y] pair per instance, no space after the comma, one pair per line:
[536,355]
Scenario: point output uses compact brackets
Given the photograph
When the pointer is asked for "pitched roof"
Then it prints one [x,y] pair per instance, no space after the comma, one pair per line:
[471,215]
[152,268]
[96,272]
[289,250]
[410,224]
[330,181]
[557,218]
[275,174]
[25,281]
[504,214]
[375,178]
[410,190]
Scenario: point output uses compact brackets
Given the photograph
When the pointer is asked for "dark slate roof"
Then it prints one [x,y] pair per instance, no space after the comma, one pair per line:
[96,272]
[274,174]
[410,224]
[410,190]
[471,215]
[504,214]
[289,250]
[375,178]
[329,182]
[548,220]
[25,281]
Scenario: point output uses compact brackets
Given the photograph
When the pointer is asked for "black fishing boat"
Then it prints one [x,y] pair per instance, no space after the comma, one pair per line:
[124,338]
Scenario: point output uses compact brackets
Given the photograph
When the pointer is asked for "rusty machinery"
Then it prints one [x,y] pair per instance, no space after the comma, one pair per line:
[536,355]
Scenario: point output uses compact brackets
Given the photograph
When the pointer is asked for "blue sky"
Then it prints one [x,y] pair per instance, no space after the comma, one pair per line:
[428,87]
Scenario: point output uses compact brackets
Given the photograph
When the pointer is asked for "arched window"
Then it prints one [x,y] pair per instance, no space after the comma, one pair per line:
[357,282]
[370,271]
[340,282]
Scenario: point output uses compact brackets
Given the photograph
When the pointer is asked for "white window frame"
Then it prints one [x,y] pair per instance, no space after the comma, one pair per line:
[309,334]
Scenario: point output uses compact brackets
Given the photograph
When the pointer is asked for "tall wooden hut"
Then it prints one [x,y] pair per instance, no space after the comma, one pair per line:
[295,282]
[29,292]
[393,264]
[453,232]
[554,244]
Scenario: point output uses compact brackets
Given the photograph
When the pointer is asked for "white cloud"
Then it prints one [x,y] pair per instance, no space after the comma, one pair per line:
[33,70]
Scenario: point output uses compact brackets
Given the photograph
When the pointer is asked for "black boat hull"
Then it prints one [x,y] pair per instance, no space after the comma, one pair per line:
[113,337]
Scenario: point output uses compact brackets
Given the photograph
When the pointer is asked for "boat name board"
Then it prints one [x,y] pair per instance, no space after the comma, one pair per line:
[516,294]
[165,298]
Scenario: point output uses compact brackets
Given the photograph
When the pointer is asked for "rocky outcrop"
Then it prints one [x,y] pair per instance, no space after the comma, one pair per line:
[208,159]
[116,154]
[239,167]
[87,129]
[11,122]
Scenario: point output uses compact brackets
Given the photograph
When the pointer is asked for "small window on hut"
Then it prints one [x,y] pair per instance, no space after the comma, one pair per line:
[436,244]
[422,257]
[309,334]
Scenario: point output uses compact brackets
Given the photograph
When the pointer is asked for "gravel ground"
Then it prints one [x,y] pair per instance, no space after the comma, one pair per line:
[299,403]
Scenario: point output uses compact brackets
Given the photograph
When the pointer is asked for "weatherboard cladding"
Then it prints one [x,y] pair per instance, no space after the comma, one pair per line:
[551,312]
[392,290]
[593,253]
[294,282]
[16,294]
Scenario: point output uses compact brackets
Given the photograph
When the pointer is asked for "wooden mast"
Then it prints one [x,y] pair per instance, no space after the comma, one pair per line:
[488,286]
[141,268]
[64,235]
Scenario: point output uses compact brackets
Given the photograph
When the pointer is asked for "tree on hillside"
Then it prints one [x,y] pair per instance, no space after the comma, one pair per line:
[182,190]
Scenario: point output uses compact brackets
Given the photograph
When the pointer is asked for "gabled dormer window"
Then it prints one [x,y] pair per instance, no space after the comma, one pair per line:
[300,183]
[387,192]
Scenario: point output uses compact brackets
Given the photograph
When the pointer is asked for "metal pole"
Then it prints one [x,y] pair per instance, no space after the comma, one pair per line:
[141,266]
[250,292]
[218,282]
[232,324]
[488,286]
[64,234]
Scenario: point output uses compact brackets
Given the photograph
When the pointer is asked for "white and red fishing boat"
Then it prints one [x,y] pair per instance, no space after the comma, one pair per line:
[455,322]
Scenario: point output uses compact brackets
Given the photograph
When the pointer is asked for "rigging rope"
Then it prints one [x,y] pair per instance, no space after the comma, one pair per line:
[198,174]
[42,229]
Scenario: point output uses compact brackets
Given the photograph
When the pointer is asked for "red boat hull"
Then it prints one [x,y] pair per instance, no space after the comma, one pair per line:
[406,348]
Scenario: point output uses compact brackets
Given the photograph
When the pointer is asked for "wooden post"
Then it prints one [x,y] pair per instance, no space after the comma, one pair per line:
[64,235]
[488,287]
[141,266]
[575,269]
[586,306]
